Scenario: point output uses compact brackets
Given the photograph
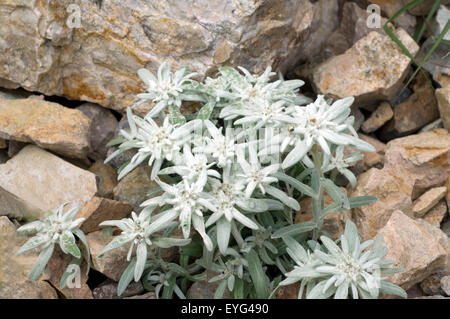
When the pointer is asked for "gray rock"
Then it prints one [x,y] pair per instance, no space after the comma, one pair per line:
[25,181]
[103,127]
[97,60]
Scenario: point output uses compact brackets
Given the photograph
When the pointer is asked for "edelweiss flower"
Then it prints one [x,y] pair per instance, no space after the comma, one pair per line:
[167,89]
[323,124]
[338,270]
[340,163]
[255,176]
[157,142]
[188,202]
[190,166]
[221,148]
[56,228]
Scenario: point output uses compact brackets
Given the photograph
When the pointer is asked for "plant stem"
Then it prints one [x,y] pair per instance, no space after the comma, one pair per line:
[317,202]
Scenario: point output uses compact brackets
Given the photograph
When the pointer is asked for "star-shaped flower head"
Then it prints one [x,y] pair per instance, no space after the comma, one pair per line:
[166,89]
[188,201]
[158,143]
[322,124]
[57,228]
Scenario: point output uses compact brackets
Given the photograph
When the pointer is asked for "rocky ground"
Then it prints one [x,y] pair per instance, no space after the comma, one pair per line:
[64,91]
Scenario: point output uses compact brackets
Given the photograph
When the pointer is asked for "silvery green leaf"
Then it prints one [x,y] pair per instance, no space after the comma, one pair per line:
[32,243]
[296,251]
[41,262]
[253,205]
[230,282]
[337,194]
[223,234]
[303,188]
[342,291]
[330,245]
[283,197]
[258,276]
[116,243]
[170,242]
[295,155]
[220,290]
[350,233]
[147,77]
[141,258]
[317,291]
[295,229]
[361,201]
[30,228]
[68,244]
[127,277]
[175,115]
[244,220]
[79,233]
[389,288]
[165,218]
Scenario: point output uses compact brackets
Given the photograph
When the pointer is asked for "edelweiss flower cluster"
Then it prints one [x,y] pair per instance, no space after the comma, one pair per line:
[233,174]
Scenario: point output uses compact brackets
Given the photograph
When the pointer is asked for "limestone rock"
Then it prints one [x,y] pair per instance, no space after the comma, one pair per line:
[443,99]
[103,127]
[98,209]
[46,124]
[417,111]
[372,69]
[415,246]
[27,178]
[44,49]
[378,118]
[106,179]
[420,161]
[108,290]
[134,187]
[391,197]
[14,270]
[428,200]
[437,214]
[113,263]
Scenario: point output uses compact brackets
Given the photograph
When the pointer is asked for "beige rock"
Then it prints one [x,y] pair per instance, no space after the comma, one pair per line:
[333,224]
[54,271]
[417,111]
[106,179]
[373,159]
[134,187]
[447,197]
[437,214]
[428,200]
[289,291]
[14,270]
[46,124]
[391,197]
[204,289]
[372,69]
[378,118]
[420,161]
[113,263]
[443,99]
[28,177]
[415,246]
[97,60]
[98,209]
[445,285]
